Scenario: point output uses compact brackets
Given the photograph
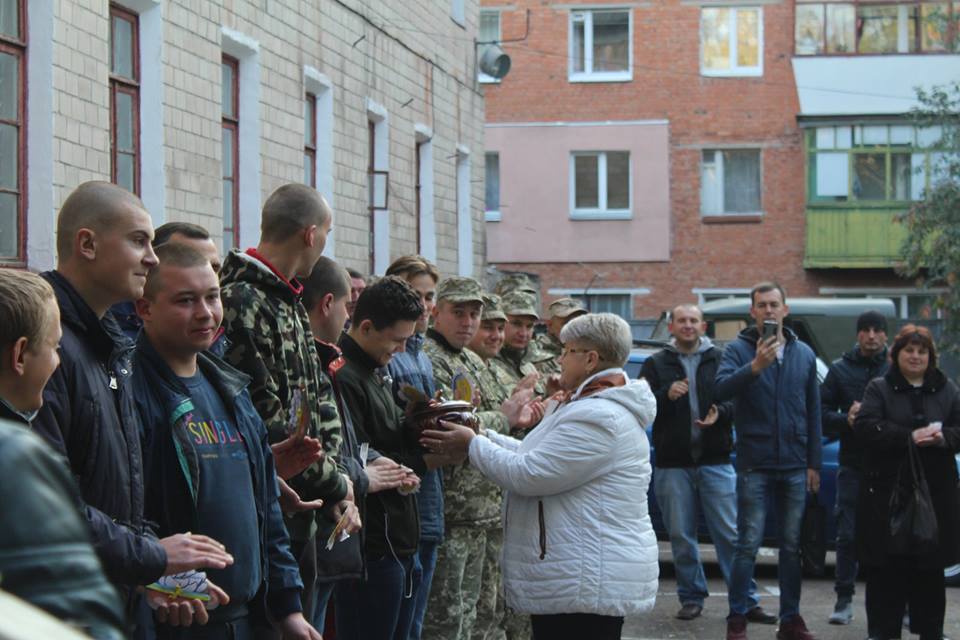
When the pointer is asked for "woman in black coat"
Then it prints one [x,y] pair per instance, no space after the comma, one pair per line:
[913,400]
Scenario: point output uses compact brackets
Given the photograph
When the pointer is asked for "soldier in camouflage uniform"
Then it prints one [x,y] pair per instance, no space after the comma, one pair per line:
[271,341]
[559,313]
[519,358]
[471,503]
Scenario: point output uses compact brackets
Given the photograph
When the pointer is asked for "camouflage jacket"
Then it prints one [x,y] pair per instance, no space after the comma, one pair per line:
[271,341]
[513,365]
[469,498]
[550,346]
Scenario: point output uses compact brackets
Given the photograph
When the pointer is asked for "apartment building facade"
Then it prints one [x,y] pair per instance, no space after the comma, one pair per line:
[203,108]
[641,154]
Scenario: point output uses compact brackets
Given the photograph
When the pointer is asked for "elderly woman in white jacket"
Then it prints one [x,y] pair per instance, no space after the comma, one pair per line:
[579,549]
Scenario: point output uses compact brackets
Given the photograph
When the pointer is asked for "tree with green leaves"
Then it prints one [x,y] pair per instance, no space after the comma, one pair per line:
[931,249]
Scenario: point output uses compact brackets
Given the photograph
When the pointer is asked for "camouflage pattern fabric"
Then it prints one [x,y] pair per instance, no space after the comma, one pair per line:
[490,606]
[512,366]
[548,345]
[469,498]
[457,581]
[271,341]
[517,625]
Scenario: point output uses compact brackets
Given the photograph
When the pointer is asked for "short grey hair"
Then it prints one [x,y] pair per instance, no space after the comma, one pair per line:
[607,333]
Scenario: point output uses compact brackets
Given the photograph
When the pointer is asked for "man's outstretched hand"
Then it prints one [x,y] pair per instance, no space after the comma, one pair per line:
[293,455]
[186,551]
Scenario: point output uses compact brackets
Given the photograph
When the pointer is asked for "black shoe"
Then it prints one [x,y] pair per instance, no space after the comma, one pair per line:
[689,611]
[758,616]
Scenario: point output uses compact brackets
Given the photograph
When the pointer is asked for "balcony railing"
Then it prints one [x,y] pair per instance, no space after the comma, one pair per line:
[861,238]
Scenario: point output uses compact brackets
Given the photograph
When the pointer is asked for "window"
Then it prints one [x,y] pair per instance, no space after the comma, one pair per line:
[731,41]
[872,163]
[861,28]
[458,12]
[13,38]
[124,99]
[618,303]
[464,214]
[600,46]
[600,184]
[730,182]
[491,208]
[310,140]
[418,188]
[489,33]
[230,91]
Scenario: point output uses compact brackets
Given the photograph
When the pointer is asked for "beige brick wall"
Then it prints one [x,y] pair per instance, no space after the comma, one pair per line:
[409,57]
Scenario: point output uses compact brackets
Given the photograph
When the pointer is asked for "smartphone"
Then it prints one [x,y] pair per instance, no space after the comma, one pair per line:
[770,329]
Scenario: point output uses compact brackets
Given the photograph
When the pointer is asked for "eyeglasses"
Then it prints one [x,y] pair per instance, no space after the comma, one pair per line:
[566,352]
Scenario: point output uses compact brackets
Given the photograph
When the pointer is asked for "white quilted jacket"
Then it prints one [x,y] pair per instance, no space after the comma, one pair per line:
[583,475]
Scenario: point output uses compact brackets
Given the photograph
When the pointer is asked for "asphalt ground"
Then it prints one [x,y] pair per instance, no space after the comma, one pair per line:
[816,605]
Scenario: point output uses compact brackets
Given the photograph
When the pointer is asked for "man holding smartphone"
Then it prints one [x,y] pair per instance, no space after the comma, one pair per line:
[772,376]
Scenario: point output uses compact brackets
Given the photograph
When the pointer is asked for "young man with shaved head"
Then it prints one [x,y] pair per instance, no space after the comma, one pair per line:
[88,414]
[270,340]
[693,439]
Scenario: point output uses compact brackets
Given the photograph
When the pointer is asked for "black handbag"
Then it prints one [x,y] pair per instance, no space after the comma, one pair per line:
[913,522]
[813,539]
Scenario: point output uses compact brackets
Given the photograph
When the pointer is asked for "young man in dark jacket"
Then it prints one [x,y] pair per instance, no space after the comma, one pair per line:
[45,552]
[776,398]
[326,293]
[384,318]
[692,438]
[88,413]
[840,396]
[209,467]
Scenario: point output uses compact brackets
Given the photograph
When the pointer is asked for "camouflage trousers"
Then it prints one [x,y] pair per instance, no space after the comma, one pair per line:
[517,625]
[463,598]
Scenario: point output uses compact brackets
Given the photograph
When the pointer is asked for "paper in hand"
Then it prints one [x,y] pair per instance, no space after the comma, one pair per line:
[189,584]
[297,422]
[339,533]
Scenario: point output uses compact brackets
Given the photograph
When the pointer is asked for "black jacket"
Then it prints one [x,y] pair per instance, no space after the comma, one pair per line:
[45,553]
[89,417]
[345,559]
[173,468]
[890,412]
[392,523]
[671,429]
[845,383]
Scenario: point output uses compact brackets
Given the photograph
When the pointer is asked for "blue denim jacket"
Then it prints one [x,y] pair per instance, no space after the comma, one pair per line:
[776,415]
[171,469]
[412,367]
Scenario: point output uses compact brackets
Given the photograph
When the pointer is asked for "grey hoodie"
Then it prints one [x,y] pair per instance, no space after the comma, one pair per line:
[691,362]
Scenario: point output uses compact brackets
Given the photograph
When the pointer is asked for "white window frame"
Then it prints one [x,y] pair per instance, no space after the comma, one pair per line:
[320,85]
[601,212]
[734,70]
[901,294]
[458,12]
[247,52]
[464,217]
[588,75]
[423,135]
[378,114]
[492,215]
[718,162]
[633,293]
[719,293]
[481,76]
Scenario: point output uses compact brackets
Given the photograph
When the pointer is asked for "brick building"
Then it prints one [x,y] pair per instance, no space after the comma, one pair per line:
[648,153]
[203,108]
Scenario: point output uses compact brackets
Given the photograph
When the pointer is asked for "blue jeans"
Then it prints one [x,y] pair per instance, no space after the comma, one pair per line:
[789,491]
[681,492]
[322,599]
[377,608]
[427,551]
[848,487]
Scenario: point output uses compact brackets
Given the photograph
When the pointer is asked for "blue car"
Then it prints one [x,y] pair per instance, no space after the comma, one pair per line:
[828,472]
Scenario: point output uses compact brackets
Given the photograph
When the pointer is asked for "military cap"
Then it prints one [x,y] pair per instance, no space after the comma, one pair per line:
[491,308]
[564,308]
[515,282]
[518,303]
[459,289]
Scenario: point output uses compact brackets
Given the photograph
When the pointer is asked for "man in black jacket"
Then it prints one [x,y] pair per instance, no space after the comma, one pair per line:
[45,552]
[692,440]
[385,316]
[840,396]
[88,414]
